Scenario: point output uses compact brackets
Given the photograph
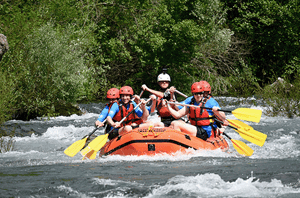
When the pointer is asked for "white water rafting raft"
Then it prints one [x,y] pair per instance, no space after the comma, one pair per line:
[151,141]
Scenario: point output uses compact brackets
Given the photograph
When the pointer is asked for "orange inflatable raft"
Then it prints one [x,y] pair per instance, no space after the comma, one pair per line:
[151,141]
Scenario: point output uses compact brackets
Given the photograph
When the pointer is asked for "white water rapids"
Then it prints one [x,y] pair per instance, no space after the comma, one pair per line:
[37,166]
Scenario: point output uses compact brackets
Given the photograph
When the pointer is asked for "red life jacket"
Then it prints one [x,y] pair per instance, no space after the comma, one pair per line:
[162,111]
[199,116]
[132,118]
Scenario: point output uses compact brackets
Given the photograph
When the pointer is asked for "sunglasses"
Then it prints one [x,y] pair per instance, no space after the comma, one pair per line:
[198,93]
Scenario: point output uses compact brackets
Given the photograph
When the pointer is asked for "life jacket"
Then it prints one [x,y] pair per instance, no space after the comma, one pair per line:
[162,111]
[207,98]
[132,118]
[199,116]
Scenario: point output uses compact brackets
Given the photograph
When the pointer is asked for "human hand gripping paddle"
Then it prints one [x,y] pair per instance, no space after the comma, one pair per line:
[101,140]
[247,114]
[78,145]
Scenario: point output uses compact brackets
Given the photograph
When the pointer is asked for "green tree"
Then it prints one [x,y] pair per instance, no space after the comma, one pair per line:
[138,38]
[55,70]
[272,31]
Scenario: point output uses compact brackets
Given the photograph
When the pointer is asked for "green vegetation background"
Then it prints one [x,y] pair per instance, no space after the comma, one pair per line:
[67,51]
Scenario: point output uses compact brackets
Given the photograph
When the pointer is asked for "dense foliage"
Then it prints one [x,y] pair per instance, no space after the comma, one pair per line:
[272,33]
[62,52]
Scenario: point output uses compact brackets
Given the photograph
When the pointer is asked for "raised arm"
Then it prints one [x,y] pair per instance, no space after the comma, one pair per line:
[145,111]
[153,106]
[157,93]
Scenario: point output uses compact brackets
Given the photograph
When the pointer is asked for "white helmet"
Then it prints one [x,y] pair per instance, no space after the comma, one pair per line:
[163,77]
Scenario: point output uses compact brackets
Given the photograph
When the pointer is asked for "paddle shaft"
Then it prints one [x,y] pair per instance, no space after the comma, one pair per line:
[227,136]
[176,103]
[227,125]
[180,93]
[89,135]
[141,93]
[129,114]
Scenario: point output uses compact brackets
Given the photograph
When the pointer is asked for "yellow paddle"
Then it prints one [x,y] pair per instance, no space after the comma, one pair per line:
[240,146]
[95,145]
[247,114]
[248,133]
[78,145]
[91,150]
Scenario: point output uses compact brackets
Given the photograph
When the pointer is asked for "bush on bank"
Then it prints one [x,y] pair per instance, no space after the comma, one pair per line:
[283,98]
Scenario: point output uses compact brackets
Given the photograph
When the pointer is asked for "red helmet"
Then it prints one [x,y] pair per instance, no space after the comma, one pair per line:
[196,87]
[205,85]
[113,93]
[126,90]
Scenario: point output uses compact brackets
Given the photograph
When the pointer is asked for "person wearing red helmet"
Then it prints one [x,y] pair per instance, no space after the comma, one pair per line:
[201,121]
[119,110]
[113,96]
[206,89]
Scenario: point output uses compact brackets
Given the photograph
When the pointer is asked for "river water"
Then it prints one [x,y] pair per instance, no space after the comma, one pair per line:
[38,167]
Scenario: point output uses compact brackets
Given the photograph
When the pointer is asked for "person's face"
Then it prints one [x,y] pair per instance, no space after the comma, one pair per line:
[112,100]
[198,96]
[164,84]
[125,98]
[205,94]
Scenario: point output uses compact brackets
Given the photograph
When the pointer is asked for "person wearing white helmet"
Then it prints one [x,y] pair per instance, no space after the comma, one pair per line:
[163,81]
[163,77]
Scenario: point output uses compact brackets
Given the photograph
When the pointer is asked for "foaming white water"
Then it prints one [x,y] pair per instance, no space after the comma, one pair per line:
[70,192]
[71,117]
[178,156]
[212,185]
[47,148]
[113,189]
[280,148]
[57,138]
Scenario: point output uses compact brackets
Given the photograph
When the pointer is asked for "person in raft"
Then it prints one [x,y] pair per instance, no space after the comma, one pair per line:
[121,109]
[208,101]
[201,122]
[163,81]
[112,96]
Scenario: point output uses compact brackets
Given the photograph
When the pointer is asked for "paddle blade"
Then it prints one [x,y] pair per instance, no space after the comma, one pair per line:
[91,155]
[98,142]
[85,151]
[242,148]
[247,114]
[248,133]
[252,138]
[75,147]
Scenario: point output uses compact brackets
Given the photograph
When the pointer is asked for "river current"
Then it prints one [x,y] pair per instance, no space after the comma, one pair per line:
[38,167]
